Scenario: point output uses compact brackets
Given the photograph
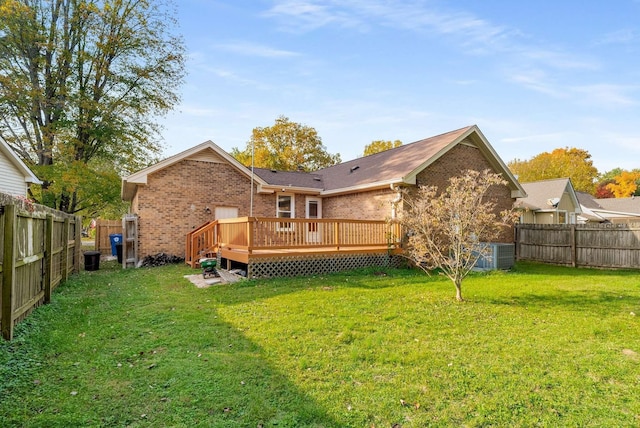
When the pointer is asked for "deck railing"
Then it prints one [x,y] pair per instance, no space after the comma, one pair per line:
[261,233]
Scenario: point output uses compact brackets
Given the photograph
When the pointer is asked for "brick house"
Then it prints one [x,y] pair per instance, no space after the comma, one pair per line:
[205,183]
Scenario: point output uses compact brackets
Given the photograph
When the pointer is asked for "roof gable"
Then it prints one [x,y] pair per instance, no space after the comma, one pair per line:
[401,165]
[546,194]
[10,155]
[204,152]
[396,166]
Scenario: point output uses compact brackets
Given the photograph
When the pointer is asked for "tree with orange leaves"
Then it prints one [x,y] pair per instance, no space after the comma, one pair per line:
[625,184]
[573,163]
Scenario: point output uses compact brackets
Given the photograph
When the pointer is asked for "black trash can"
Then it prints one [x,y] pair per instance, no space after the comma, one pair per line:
[119,252]
[92,260]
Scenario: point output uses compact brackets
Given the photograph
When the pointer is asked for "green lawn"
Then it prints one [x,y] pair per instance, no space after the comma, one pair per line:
[539,346]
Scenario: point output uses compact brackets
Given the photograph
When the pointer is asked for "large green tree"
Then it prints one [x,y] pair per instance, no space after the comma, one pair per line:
[82,85]
[286,146]
[559,163]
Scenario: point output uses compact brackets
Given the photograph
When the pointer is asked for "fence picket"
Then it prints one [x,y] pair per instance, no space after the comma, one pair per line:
[586,245]
[39,250]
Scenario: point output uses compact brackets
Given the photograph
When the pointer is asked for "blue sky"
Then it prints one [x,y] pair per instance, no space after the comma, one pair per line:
[533,75]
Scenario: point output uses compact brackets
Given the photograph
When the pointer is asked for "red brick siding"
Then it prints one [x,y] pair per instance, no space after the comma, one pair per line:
[174,200]
[455,162]
[372,205]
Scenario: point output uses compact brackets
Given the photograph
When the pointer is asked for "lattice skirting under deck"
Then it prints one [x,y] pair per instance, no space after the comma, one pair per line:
[280,266]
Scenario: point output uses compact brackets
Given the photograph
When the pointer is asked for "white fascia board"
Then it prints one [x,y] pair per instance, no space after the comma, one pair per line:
[272,188]
[364,187]
[605,213]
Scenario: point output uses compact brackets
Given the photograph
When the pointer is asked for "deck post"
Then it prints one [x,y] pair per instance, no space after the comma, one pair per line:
[336,236]
[250,222]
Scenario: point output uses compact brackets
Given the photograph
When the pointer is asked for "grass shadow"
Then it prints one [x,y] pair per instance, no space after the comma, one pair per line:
[141,348]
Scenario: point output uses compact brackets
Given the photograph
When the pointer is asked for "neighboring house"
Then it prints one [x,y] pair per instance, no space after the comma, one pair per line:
[205,183]
[549,202]
[609,210]
[15,176]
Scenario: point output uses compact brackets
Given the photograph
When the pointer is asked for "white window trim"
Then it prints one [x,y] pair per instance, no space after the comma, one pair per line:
[566,216]
[306,205]
[280,226]
[222,212]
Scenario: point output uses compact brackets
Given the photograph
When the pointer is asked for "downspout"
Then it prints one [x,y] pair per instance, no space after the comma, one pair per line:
[395,201]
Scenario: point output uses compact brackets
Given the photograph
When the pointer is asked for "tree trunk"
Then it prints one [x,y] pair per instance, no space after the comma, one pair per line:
[459,291]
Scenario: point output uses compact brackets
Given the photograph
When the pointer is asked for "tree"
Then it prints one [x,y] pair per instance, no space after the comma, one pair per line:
[560,163]
[82,83]
[625,184]
[286,146]
[450,230]
[602,190]
[378,146]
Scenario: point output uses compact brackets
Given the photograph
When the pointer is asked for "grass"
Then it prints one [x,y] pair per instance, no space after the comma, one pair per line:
[538,346]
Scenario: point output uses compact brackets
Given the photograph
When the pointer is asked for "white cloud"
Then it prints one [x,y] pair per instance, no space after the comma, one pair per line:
[309,15]
[252,49]
[607,95]
[622,36]
[233,77]
[536,80]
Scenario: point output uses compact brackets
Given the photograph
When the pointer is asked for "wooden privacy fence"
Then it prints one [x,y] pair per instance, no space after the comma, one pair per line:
[38,251]
[104,228]
[586,245]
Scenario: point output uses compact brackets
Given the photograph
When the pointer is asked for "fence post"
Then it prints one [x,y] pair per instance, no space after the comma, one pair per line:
[65,251]
[8,270]
[516,239]
[78,246]
[48,258]
[574,250]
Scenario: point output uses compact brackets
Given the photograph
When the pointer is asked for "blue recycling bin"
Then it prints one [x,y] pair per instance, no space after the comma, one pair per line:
[115,238]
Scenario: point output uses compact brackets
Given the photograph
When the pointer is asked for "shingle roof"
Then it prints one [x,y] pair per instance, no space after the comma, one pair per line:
[587,200]
[390,164]
[399,165]
[621,205]
[540,192]
[290,178]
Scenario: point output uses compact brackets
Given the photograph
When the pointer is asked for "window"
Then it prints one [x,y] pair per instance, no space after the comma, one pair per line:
[285,209]
[226,212]
[562,217]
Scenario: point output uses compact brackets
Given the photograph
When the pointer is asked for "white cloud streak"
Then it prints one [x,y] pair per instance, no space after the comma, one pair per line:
[255,50]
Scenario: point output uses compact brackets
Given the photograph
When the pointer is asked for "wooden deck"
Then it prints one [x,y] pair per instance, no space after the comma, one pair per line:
[252,241]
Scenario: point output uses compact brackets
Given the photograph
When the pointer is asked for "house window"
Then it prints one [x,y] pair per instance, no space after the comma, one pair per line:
[562,217]
[285,209]
[226,212]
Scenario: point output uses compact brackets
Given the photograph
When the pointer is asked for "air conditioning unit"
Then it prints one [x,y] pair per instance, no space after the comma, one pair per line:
[501,256]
